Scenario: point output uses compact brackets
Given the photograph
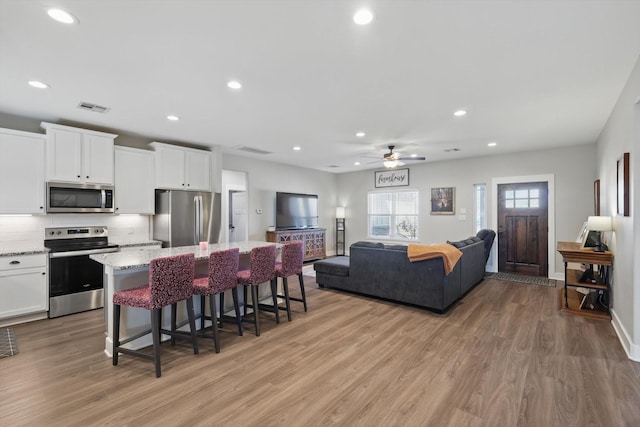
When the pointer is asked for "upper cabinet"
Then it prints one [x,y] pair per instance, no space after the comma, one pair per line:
[78,155]
[21,172]
[182,168]
[134,189]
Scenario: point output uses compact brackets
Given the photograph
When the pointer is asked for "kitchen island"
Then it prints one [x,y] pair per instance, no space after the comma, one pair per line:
[126,270]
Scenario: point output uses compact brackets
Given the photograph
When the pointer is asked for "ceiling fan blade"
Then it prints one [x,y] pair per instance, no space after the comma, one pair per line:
[412,158]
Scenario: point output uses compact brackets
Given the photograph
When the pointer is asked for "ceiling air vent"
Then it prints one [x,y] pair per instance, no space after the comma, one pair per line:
[93,107]
[333,166]
[452,149]
[252,150]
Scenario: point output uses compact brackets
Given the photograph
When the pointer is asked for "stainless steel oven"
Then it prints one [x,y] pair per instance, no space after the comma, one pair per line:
[75,280]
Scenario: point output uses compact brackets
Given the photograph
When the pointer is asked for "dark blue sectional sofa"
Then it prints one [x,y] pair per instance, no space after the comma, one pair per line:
[384,271]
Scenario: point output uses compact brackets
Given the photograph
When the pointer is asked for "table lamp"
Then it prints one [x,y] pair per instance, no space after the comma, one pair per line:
[599,224]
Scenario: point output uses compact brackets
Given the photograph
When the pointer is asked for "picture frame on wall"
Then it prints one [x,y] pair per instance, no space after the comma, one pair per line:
[392,178]
[596,197]
[622,183]
[443,200]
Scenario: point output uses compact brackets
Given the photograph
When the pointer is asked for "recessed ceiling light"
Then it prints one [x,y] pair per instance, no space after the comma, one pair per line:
[492,144]
[173,118]
[360,134]
[38,84]
[61,16]
[296,148]
[233,84]
[356,164]
[363,17]
[460,113]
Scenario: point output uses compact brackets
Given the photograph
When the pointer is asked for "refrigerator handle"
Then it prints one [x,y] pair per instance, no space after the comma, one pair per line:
[196,219]
[200,220]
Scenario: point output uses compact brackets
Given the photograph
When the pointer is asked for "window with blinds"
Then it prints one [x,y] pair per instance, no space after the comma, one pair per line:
[393,215]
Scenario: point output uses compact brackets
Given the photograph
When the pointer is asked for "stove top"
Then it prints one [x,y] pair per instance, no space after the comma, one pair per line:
[65,239]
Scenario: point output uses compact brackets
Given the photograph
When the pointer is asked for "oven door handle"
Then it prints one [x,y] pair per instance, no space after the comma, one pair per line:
[81,253]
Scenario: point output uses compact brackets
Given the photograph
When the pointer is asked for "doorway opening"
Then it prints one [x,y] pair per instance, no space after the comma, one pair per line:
[235,206]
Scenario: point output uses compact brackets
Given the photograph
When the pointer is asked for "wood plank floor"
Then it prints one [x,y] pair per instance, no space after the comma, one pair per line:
[503,356]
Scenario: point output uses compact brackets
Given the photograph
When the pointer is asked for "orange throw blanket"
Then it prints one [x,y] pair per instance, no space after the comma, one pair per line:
[449,254]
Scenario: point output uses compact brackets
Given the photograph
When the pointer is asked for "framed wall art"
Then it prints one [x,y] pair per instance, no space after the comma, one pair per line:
[443,200]
[623,185]
[596,197]
[392,178]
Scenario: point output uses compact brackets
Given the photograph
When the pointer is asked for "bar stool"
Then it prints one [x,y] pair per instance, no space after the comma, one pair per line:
[261,269]
[291,265]
[170,281]
[223,271]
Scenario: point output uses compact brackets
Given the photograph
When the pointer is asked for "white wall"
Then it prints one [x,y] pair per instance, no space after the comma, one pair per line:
[572,167]
[266,178]
[620,136]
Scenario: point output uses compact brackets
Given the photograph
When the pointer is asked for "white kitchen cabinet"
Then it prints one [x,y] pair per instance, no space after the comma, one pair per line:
[23,286]
[134,179]
[78,155]
[21,172]
[182,168]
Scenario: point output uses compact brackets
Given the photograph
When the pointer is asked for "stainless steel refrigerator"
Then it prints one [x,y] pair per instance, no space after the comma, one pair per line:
[185,218]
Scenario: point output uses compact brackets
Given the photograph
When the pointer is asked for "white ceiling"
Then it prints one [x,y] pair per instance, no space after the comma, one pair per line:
[530,74]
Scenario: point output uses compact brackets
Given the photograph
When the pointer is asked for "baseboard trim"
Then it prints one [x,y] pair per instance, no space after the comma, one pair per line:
[632,350]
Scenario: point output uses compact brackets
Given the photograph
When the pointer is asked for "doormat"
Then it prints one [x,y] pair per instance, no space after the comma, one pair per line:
[534,280]
[8,343]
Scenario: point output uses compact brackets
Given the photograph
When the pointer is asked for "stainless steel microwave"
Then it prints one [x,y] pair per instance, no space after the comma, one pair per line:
[79,198]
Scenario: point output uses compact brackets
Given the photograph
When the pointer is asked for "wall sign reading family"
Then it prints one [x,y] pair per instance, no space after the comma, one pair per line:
[392,178]
[443,201]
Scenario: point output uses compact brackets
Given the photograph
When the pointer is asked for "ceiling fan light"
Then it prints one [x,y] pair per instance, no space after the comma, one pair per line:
[390,163]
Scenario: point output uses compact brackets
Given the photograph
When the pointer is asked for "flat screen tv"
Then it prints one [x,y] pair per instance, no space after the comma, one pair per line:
[296,211]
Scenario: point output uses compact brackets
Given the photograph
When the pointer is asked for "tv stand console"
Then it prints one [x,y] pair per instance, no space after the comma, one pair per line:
[314,240]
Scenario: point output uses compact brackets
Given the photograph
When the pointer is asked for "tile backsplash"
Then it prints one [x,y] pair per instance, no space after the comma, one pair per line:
[29,230]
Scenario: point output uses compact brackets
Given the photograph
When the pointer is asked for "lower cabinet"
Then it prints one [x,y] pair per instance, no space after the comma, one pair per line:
[23,286]
[314,241]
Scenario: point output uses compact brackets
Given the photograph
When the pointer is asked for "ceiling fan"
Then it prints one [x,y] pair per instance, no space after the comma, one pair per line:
[392,160]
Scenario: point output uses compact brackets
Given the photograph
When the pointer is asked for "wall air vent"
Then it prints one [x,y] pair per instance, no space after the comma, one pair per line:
[93,107]
[333,166]
[252,150]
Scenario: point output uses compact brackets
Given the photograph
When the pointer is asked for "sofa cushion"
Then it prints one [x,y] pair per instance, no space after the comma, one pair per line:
[402,248]
[338,266]
[460,244]
[363,244]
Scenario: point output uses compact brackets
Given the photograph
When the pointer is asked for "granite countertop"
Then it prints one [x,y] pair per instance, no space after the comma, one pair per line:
[22,249]
[131,244]
[142,258]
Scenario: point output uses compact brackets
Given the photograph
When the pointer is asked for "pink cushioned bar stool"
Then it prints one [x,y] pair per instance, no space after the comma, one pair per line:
[170,281]
[223,271]
[261,269]
[291,265]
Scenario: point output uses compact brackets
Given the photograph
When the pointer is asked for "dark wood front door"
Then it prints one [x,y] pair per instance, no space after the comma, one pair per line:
[522,228]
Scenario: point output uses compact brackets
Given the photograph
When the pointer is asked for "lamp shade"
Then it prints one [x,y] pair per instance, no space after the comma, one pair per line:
[599,223]
[340,212]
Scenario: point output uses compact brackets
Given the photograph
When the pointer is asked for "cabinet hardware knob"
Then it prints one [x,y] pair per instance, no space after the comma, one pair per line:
[43,273]
[14,262]
[87,176]
[78,176]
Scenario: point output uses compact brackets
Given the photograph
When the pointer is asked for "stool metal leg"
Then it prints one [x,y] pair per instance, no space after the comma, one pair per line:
[155,333]
[214,322]
[236,306]
[116,333]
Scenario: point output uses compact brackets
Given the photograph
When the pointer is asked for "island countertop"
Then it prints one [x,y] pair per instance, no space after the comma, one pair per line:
[142,257]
